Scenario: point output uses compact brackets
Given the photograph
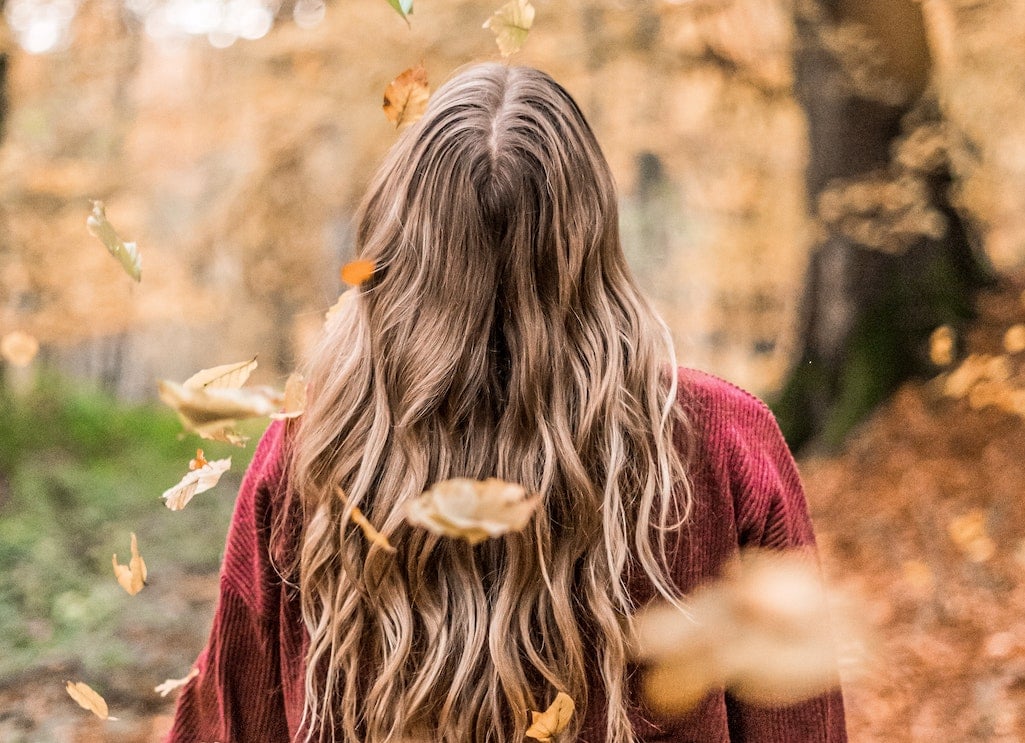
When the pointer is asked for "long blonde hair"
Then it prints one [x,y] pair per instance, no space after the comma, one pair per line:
[501,335]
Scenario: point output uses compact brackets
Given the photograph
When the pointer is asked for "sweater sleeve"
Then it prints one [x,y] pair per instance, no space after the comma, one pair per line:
[236,697]
[771,512]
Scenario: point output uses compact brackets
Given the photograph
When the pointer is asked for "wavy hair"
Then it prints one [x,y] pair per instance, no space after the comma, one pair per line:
[501,335]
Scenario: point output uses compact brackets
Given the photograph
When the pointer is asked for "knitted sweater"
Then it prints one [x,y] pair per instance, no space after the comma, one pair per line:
[747,493]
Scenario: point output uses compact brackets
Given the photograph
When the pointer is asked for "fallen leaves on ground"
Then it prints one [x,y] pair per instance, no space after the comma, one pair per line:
[763,632]
[405,98]
[369,531]
[548,724]
[202,476]
[473,510]
[132,576]
[18,348]
[510,24]
[171,684]
[127,254]
[88,699]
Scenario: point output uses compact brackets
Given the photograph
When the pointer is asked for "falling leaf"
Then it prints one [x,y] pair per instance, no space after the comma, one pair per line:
[295,398]
[473,510]
[546,725]
[226,376]
[405,100]
[18,348]
[127,254]
[199,460]
[343,300]
[763,632]
[511,23]
[403,7]
[88,699]
[941,346]
[1014,339]
[132,576]
[171,684]
[197,480]
[373,535]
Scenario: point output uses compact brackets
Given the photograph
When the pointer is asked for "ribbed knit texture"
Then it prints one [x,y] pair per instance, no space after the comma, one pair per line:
[747,494]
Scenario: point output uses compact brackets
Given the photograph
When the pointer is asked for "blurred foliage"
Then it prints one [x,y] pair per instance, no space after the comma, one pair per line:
[78,473]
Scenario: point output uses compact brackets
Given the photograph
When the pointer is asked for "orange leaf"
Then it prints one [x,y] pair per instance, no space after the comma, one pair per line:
[373,535]
[356,272]
[132,576]
[88,699]
[405,98]
[546,725]
[198,462]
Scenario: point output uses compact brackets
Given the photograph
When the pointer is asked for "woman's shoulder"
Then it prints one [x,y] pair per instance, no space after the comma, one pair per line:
[719,412]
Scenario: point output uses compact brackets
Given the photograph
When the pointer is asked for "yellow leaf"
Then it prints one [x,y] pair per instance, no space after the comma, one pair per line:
[211,412]
[171,684]
[546,725]
[132,576]
[295,398]
[88,699]
[373,535]
[405,100]
[226,376]
[343,300]
[196,481]
[127,254]
[473,510]
[18,348]
[510,24]
[199,461]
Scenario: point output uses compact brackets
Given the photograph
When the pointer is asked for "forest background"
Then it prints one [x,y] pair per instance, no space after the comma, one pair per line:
[824,198]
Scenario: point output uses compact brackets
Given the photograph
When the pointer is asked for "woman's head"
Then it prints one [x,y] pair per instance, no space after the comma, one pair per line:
[500,336]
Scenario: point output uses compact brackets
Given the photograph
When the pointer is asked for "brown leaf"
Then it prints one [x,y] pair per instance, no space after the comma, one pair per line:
[171,684]
[18,348]
[405,98]
[212,411]
[372,534]
[546,725]
[127,254]
[199,461]
[473,510]
[511,23]
[132,576]
[88,699]
[225,376]
[196,481]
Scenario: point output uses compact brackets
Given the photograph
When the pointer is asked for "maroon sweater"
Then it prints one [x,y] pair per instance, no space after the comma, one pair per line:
[747,493]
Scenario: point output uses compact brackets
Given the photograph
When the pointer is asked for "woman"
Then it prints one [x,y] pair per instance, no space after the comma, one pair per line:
[501,335]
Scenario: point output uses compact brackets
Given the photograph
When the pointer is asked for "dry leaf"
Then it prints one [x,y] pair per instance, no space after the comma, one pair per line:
[403,7]
[405,100]
[197,480]
[473,510]
[171,684]
[546,725]
[132,576]
[763,632]
[127,254]
[373,535]
[88,699]
[941,346]
[295,398]
[212,412]
[18,348]
[511,23]
[226,376]
[198,461]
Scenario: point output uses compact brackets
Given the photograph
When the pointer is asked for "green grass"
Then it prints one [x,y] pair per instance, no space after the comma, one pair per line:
[78,473]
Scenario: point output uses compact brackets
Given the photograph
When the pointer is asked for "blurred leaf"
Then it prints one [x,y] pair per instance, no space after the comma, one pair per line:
[510,24]
[343,300]
[226,376]
[473,510]
[403,7]
[546,725]
[171,684]
[132,576]
[295,398]
[127,254]
[372,534]
[18,348]
[212,412]
[405,100]
[88,699]
[199,480]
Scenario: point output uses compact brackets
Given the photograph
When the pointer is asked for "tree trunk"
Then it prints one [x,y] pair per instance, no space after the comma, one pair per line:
[894,260]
